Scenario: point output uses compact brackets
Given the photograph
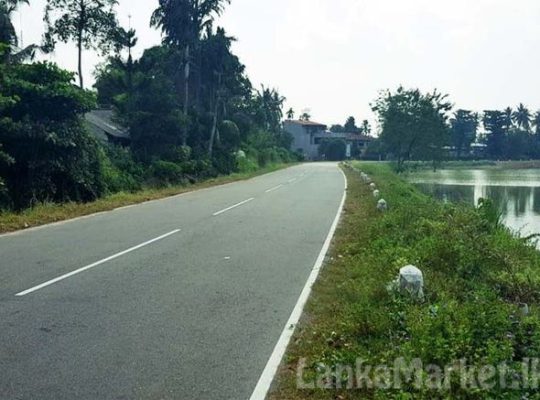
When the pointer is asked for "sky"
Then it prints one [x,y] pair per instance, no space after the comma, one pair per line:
[333,57]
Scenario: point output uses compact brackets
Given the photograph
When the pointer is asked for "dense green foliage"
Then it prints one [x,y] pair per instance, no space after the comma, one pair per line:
[509,134]
[413,125]
[333,149]
[50,155]
[193,125]
[464,129]
[416,126]
[191,111]
[350,127]
[477,276]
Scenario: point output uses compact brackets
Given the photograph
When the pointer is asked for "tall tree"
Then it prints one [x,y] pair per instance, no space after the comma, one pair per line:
[337,128]
[522,117]
[414,125]
[305,116]
[126,39]
[8,37]
[91,24]
[224,81]
[536,122]
[495,126]
[350,125]
[464,129]
[269,109]
[183,22]
[508,119]
[366,128]
[290,114]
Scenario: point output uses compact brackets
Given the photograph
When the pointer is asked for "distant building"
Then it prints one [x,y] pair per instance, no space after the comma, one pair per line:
[305,137]
[308,135]
[479,150]
[102,125]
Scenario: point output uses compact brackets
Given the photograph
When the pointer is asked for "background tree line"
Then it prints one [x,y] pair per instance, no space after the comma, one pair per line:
[422,127]
[191,110]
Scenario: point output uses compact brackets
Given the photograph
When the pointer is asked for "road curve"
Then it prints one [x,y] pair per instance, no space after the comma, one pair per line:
[181,298]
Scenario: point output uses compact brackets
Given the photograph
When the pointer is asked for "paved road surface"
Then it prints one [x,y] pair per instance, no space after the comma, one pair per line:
[182,298]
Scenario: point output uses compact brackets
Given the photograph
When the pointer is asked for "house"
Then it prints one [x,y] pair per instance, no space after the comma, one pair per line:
[309,135]
[102,125]
[306,136]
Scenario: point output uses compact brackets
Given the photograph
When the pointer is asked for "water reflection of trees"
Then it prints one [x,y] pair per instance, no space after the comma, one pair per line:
[520,205]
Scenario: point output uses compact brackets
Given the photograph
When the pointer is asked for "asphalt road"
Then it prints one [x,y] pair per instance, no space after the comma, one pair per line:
[182,298]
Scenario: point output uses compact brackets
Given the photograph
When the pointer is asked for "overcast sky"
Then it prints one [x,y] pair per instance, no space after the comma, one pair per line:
[333,56]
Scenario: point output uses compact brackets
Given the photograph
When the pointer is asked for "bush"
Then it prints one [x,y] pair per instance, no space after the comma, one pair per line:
[5,201]
[333,149]
[246,164]
[121,172]
[53,157]
[166,173]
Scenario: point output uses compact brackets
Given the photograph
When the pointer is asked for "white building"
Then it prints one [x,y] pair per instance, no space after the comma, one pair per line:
[308,135]
[305,134]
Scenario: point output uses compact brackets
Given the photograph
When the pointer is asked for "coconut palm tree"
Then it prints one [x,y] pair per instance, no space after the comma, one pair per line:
[183,22]
[290,114]
[8,37]
[508,118]
[522,117]
[269,108]
[536,122]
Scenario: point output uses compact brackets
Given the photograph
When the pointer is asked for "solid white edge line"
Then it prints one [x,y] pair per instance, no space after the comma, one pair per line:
[274,189]
[233,207]
[271,369]
[78,271]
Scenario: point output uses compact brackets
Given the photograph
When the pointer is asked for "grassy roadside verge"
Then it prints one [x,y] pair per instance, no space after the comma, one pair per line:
[49,213]
[477,278]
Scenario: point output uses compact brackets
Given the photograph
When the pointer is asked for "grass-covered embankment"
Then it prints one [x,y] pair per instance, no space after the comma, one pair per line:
[477,277]
[50,212]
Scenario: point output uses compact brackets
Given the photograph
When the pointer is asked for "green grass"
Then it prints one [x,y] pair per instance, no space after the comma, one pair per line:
[50,212]
[477,274]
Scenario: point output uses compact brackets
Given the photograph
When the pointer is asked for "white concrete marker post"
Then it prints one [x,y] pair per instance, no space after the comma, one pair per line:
[411,281]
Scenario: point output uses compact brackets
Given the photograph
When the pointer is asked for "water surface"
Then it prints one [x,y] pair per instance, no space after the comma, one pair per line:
[515,192]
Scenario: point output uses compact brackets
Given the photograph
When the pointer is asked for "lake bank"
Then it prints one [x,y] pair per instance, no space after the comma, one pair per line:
[477,276]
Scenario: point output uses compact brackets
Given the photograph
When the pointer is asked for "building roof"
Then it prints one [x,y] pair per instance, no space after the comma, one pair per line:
[306,123]
[103,119]
[353,137]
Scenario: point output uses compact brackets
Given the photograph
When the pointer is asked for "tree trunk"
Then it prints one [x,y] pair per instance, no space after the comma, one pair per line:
[79,46]
[186,92]
[215,118]
[214,129]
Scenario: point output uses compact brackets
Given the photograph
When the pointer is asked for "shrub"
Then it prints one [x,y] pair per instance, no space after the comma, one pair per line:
[166,173]
[121,172]
[54,157]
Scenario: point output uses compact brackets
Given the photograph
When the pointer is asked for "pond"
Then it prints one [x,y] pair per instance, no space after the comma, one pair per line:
[515,191]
